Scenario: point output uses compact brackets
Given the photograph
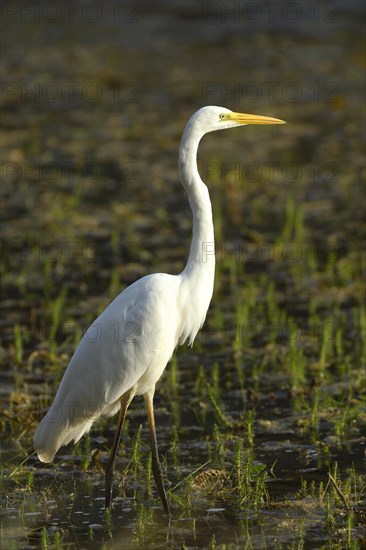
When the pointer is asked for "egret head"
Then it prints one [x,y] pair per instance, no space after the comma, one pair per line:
[211,118]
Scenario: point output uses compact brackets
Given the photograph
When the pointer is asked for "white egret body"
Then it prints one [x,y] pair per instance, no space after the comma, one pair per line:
[126,350]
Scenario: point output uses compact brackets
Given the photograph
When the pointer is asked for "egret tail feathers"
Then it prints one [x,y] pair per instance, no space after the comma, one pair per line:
[50,436]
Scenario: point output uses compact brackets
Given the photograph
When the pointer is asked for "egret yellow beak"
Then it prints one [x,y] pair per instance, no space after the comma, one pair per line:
[243,118]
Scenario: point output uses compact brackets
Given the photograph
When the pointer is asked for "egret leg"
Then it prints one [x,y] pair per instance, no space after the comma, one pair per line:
[125,401]
[154,450]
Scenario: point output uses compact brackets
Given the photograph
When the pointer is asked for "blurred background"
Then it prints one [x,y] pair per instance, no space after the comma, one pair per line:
[95,97]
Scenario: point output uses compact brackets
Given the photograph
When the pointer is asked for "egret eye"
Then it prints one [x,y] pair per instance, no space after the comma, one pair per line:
[222,116]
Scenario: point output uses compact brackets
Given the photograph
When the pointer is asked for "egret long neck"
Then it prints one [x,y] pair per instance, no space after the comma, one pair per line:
[202,252]
[198,275]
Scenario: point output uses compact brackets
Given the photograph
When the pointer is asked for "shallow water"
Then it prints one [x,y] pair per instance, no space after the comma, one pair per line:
[270,400]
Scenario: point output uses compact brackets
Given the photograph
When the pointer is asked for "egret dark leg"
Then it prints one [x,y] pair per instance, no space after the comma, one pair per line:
[125,401]
[154,450]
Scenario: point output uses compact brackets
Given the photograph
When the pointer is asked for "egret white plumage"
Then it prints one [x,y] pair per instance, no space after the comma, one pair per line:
[126,350]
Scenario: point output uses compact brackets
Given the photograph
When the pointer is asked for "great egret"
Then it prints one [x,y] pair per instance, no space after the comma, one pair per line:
[127,348]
